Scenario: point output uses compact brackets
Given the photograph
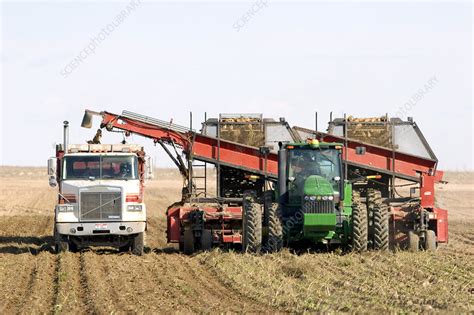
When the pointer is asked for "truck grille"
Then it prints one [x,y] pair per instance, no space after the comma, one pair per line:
[318,206]
[101,206]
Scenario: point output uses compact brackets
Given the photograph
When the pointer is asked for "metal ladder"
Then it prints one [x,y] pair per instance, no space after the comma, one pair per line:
[202,178]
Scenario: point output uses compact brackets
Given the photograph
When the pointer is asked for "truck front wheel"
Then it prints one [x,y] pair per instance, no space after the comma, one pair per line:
[61,243]
[138,244]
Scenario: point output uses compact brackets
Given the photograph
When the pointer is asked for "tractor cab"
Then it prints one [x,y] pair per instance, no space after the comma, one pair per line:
[313,188]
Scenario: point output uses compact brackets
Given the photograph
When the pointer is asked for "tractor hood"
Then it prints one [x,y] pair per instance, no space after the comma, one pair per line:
[316,185]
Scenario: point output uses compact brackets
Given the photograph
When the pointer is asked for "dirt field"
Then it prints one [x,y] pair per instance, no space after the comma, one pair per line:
[34,280]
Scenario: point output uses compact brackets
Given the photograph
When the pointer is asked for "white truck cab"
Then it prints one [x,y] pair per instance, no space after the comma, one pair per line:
[100,195]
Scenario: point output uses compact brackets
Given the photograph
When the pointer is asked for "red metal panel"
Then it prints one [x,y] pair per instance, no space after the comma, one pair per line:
[427,191]
[234,238]
[234,154]
[381,158]
[441,225]
[174,226]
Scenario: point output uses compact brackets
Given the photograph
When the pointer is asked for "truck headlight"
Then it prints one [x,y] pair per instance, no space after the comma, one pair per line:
[65,208]
[134,208]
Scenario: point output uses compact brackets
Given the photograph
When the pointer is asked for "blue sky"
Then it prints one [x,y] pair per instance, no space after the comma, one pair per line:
[289,59]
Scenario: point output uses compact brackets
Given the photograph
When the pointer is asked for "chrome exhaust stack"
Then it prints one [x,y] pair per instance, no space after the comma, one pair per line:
[66,135]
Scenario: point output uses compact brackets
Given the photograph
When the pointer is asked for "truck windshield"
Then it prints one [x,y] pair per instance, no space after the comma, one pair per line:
[306,162]
[100,167]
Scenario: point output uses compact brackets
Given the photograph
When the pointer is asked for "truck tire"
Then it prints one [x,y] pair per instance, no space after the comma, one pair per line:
[206,240]
[61,244]
[251,225]
[359,223]
[124,249]
[430,241]
[378,214]
[73,248]
[413,241]
[138,244]
[275,228]
[188,244]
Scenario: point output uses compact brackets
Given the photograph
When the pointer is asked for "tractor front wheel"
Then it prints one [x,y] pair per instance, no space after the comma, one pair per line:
[359,223]
[251,225]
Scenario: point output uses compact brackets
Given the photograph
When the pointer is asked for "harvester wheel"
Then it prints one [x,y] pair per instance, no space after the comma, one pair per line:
[379,218]
[188,244]
[359,223]
[430,241]
[413,241]
[275,228]
[206,240]
[251,225]
[138,244]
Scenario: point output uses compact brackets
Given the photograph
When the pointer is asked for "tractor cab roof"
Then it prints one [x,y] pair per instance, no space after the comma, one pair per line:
[314,144]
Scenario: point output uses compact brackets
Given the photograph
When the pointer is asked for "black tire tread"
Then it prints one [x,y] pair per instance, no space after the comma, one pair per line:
[359,223]
[380,220]
[252,225]
[275,228]
[138,244]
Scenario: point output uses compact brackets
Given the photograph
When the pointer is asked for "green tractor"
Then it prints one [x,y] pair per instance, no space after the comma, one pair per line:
[314,204]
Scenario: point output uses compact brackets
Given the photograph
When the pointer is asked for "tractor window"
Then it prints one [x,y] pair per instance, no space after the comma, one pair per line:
[307,162]
[100,167]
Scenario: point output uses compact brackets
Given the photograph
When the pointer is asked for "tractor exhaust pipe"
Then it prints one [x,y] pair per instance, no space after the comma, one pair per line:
[87,119]
[66,135]
[282,180]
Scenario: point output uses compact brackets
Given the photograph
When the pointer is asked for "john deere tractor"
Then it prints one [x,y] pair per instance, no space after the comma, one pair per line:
[315,205]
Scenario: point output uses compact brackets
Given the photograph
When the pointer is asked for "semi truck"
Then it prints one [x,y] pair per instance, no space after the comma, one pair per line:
[100,195]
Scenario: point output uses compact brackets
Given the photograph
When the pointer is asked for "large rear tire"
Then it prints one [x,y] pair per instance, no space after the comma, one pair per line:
[359,223]
[138,244]
[251,225]
[413,241]
[275,228]
[379,228]
[430,241]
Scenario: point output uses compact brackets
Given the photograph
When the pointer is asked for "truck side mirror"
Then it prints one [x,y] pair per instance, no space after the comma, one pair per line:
[52,163]
[148,167]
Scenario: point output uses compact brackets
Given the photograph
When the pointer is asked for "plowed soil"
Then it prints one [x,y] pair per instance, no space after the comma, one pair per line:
[100,280]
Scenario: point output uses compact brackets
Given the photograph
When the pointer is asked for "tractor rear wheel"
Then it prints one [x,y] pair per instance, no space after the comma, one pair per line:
[138,244]
[413,241]
[251,225]
[378,214]
[188,245]
[275,228]
[359,223]
[430,241]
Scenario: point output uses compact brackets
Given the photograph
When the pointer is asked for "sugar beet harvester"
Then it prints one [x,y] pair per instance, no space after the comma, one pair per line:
[327,190]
